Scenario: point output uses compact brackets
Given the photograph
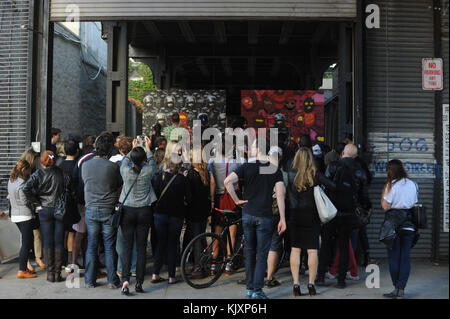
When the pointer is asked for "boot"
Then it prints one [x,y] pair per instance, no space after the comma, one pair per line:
[59,260]
[49,257]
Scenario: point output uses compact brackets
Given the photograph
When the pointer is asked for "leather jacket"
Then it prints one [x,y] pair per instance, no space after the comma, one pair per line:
[348,196]
[45,186]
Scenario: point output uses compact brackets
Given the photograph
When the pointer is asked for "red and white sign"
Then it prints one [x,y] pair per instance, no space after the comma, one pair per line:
[432,78]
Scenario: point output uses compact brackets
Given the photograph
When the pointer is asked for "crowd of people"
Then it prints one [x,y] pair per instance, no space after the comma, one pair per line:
[159,195]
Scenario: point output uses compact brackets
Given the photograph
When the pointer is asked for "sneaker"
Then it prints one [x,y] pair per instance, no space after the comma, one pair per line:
[259,295]
[392,294]
[329,275]
[197,273]
[242,281]
[228,269]
[341,285]
[350,277]
[271,283]
[249,294]
[213,269]
[320,281]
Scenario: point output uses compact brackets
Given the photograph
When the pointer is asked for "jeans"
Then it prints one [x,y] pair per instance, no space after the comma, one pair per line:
[26,230]
[354,238]
[364,239]
[97,222]
[120,249]
[340,226]
[194,229]
[168,231]
[258,237]
[135,226]
[399,258]
[52,230]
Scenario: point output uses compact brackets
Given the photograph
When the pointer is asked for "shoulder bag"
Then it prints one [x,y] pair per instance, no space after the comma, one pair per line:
[116,217]
[326,209]
[419,213]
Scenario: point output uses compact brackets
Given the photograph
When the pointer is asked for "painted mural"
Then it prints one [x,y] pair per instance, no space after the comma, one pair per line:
[159,105]
[303,111]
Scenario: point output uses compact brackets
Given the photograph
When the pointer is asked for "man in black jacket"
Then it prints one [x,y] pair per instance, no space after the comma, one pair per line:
[350,192]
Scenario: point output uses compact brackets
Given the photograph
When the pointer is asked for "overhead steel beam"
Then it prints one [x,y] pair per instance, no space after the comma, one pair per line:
[153,30]
[251,66]
[221,33]
[253,29]
[275,67]
[202,66]
[286,32]
[187,31]
[227,66]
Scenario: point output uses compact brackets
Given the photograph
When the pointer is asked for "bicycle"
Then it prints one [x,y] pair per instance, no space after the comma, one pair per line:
[211,243]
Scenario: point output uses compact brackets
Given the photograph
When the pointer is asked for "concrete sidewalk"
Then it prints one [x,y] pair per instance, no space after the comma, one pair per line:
[427,281]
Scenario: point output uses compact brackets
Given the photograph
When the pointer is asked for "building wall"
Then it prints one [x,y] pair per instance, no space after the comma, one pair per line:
[79,102]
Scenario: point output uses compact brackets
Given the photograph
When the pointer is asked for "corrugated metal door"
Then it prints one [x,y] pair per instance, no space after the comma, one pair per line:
[400,114]
[443,241]
[203,9]
[14,79]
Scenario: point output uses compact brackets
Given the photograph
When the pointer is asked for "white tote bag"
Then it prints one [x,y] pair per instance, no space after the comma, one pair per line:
[327,211]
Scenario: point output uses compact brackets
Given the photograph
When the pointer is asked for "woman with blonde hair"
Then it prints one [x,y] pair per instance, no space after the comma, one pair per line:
[22,215]
[304,223]
[199,204]
[170,188]
[30,156]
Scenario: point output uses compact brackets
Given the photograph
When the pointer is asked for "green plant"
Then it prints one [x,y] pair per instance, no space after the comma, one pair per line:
[136,89]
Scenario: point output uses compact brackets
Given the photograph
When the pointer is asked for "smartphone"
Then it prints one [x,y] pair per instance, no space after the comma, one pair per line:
[141,140]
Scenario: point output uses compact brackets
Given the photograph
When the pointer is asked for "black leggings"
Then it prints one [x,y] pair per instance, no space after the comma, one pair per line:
[135,220]
[26,230]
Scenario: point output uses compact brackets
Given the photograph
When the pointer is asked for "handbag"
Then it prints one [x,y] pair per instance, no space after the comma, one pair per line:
[326,209]
[116,216]
[419,214]
[225,201]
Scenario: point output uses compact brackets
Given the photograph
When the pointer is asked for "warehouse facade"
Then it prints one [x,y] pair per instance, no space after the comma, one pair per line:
[378,46]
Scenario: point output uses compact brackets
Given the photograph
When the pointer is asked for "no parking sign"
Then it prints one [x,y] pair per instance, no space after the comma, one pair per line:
[432,78]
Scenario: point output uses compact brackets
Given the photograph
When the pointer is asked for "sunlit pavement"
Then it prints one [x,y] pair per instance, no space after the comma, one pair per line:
[427,281]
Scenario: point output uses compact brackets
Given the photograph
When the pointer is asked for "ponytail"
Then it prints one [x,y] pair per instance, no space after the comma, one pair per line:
[19,170]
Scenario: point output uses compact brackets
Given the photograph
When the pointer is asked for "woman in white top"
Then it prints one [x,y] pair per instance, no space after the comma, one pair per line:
[399,195]
[22,215]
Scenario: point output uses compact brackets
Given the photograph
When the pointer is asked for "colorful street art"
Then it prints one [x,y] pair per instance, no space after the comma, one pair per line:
[159,105]
[303,111]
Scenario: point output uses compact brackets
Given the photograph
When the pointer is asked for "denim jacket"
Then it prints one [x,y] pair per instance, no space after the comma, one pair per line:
[142,193]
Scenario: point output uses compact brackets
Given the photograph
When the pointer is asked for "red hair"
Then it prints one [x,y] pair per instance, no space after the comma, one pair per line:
[48,158]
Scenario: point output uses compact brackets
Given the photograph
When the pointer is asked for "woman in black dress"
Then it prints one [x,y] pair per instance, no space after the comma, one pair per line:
[304,223]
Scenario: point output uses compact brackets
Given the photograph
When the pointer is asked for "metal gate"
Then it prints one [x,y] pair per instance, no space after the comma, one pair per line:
[400,115]
[14,80]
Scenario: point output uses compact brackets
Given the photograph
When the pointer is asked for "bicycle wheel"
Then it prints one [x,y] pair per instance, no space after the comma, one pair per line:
[204,277]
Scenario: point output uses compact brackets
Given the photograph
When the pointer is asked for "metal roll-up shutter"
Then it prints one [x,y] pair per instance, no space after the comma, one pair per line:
[14,84]
[444,236]
[400,114]
[204,9]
